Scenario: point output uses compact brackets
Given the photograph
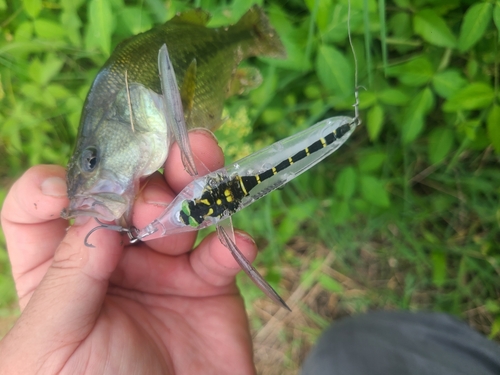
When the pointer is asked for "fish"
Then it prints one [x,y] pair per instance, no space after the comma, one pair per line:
[123,136]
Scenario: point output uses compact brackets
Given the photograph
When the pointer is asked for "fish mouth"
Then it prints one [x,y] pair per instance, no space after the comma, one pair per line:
[103,208]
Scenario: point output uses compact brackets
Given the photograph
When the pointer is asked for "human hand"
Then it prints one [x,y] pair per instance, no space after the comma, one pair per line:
[149,308]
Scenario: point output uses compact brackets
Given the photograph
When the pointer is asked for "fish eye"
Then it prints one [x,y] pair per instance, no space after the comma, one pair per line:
[89,159]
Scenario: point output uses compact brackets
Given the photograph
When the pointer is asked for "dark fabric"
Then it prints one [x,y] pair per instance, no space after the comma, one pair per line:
[402,343]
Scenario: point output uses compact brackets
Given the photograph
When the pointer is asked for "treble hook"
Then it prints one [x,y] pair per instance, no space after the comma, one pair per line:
[131,233]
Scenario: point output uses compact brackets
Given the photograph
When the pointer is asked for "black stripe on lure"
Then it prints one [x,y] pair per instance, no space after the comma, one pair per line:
[214,197]
[225,198]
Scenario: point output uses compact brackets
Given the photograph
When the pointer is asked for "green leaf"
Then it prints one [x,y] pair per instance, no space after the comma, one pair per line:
[496,18]
[492,306]
[375,121]
[493,127]
[100,26]
[471,67]
[24,32]
[330,284]
[42,73]
[439,268]
[416,72]
[340,211]
[345,183]
[324,12]
[371,161]
[72,23]
[469,128]
[475,23]
[394,97]
[32,7]
[333,27]
[373,191]
[476,95]
[50,67]
[312,91]
[495,328]
[433,29]
[296,215]
[440,143]
[400,26]
[59,92]
[134,23]
[294,41]
[30,90]
[367,99]
[413,122]
[448,82]
[119,4]
[334,71]
[71,5]
[308,277]
[48,29]
[34,70]
[403,3]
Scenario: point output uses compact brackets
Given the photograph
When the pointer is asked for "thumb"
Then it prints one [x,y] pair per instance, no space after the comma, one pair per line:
[65,306]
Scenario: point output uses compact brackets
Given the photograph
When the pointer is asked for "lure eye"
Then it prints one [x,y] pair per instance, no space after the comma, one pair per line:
[89,159]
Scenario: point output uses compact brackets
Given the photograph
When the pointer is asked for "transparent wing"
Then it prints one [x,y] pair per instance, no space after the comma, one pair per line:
[173,108]
[281,152]
[248,268]
[228,227]
[290,153]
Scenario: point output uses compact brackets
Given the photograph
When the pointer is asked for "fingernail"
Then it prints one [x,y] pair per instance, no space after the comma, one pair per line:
[245,237]
[54,187]
[205,132]
[155,194]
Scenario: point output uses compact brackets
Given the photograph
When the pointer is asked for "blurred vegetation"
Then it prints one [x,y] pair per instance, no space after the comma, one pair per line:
[413,193]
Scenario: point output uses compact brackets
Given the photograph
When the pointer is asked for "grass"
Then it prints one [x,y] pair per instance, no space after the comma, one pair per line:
[404,216]
[433,249]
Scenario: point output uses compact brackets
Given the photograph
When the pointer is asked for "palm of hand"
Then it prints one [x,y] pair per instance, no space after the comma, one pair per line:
[160,327]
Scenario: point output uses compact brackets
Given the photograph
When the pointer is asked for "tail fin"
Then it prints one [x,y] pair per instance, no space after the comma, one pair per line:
[267,41]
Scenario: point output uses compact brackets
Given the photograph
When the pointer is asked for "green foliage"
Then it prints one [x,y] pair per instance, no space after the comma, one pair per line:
[433,29]
[101,25]
[474,25]
[418,182]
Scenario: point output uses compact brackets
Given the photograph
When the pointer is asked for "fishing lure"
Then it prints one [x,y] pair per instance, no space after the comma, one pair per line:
[215,197]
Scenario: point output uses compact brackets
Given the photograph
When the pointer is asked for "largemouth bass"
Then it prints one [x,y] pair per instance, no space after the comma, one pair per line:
[123,134]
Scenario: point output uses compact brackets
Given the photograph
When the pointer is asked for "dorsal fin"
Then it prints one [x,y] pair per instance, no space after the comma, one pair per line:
[193,16]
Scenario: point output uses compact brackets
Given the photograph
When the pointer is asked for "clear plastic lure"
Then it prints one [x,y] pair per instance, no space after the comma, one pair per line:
[210,199]
[218,195]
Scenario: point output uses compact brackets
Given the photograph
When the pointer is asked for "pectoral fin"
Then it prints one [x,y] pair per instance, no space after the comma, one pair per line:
[244,80]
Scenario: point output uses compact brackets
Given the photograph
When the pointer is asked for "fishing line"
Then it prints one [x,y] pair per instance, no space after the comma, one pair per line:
[357,119]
